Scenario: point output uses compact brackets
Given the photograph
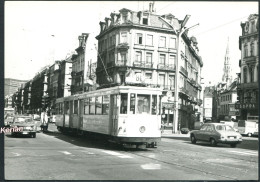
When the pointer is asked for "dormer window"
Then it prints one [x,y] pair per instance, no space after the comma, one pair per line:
[124,17]
[145,21]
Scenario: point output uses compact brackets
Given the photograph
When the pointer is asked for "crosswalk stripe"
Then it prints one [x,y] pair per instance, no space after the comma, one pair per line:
[244,153]
[65,152]
[117,154]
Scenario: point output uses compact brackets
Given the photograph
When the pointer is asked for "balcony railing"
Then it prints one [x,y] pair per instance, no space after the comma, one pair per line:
[248,85]
[166,87]
[184,90]
[121,63]
[166,66]
[142,64]
[123,46]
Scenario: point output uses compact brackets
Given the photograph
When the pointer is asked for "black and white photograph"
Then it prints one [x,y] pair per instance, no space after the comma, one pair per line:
[131,90]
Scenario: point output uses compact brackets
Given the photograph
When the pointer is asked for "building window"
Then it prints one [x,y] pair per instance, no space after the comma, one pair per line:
[251,72]
[252,49]
[245,74]
[162,59]
[148,76]
[162,42]
[145,20]
[123,37]
[139,38]
[149,58]
[172,59]
[171,81]
[149,40]
[138,56]
[245,50]
[173,43]
[123,58]
[162,80]
[124,17]
[114,40]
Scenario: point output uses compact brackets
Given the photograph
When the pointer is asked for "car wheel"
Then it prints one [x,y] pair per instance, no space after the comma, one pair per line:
[193,139]
[213,142]
[34,135]
[233,145]
[249,134]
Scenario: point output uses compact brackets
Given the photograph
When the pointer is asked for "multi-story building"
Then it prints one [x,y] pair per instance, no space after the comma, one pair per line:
[65,78]
[248,88]
[78,66]
[227,98]
[53,84]
[139,48]
[12,85]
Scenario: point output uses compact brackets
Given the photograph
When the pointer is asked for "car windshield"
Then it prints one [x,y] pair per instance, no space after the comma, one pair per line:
[224,128]
[22,120]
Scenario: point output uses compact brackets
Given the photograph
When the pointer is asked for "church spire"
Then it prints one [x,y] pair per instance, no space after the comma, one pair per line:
[227,67]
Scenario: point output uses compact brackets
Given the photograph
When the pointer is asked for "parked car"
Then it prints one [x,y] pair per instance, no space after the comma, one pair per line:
[216,133]
[8,120]
[26,124]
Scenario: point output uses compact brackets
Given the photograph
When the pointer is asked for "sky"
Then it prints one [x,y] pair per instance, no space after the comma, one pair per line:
[39,32]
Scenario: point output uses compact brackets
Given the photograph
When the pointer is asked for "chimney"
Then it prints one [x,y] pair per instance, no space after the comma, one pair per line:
[102,26]
[150,7]
[108,22]
[113,18]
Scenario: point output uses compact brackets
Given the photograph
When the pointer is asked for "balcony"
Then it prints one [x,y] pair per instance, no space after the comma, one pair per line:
[166,66]
[184,71]
[250,59]
[247,85]
[123,46]
[184,90]
[142,64]
[121,63]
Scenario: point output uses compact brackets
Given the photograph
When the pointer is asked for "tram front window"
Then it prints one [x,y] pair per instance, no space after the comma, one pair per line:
[143,104]
[123,105]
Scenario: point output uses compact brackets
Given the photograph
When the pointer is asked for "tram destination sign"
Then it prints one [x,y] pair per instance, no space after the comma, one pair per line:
[168,105]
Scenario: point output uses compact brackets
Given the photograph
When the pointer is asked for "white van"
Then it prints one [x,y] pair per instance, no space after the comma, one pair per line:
[248,127]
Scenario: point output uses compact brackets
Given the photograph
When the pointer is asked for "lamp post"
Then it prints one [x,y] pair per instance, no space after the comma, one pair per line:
[176,87]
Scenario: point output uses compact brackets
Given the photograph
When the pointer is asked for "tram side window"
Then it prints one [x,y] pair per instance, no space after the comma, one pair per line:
[86,106]
[92,105]
[99,105]
[123,105]
[132,103]
[57,108]
[60,108]
[75,107]
[67,108]
[154,104]
[143,104]
[105,104]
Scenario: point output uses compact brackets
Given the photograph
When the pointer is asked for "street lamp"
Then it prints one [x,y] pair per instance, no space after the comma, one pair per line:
[176,87]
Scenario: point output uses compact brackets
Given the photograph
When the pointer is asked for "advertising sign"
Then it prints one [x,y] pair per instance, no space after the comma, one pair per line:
[208,112]
[207,102]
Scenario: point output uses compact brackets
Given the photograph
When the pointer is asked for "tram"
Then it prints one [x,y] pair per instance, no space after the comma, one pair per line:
[124,114]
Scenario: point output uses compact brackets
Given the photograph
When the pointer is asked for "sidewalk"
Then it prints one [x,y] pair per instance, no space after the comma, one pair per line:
[168,133]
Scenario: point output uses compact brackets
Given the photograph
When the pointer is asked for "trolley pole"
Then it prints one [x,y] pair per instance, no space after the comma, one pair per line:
[176,87]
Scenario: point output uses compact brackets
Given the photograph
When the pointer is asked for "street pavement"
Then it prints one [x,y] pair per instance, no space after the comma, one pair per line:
[55,156]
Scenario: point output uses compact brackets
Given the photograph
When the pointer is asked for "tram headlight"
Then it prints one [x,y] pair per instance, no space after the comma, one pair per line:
[142,129]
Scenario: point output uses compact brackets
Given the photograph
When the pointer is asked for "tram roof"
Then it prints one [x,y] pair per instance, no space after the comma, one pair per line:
[114,90]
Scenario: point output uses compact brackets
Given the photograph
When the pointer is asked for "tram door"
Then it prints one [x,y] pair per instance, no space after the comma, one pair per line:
[113,116]
[81,110]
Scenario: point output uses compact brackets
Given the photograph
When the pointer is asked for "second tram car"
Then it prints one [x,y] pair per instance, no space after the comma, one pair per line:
[125,114]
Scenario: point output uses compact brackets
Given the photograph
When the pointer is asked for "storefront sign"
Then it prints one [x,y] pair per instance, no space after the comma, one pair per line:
[246,106]
[168,105]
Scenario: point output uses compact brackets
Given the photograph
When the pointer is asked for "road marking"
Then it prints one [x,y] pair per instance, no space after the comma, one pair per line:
[65,152]
[244,153]
[117,154]
[151,166]
[16,154]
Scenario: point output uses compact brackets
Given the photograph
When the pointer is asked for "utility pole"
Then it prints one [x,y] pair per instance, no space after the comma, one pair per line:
[176,87]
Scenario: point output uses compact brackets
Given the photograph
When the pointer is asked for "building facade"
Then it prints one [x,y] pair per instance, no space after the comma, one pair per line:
[248,89]
[140,48]
[12,85]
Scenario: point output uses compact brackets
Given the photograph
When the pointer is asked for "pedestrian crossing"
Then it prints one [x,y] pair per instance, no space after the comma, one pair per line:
[251,153]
